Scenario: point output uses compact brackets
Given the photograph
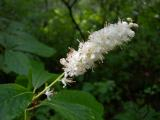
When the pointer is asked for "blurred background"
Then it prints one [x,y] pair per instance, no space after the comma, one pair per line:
[128,81]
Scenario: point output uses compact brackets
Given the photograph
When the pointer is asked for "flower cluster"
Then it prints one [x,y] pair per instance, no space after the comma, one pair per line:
[99,43]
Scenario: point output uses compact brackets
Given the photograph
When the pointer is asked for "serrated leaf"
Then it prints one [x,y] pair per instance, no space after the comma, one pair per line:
[37,64]
[28,43]
[8,41]
[15,26]
[22,41]
[16,44]
[76,105]
[17,62]
[39,75]
[14,99]
[22,80]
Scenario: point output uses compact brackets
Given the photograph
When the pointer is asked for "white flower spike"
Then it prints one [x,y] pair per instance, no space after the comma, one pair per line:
[99,43]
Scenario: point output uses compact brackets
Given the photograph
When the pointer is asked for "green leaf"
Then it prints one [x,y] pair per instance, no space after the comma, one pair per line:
[2,39]
[76,105]
[22,41]
[28,43]
[1,61]
[8,41]
[37,64]
[22,80]
[17,62]
[39,75]
[14,99]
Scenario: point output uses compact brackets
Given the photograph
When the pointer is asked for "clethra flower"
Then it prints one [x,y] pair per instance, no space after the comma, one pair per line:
[99,43]
[49,93]
[66,81]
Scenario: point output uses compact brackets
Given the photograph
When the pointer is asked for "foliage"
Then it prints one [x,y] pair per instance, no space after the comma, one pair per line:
[72,105]
[134,112]
[76,105]
[14,99]
[15,44]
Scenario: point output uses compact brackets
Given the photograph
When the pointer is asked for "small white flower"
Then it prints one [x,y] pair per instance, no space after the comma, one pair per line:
[66,81]
[49,93]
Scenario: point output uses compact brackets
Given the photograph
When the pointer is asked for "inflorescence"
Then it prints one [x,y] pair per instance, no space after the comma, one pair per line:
[99,43]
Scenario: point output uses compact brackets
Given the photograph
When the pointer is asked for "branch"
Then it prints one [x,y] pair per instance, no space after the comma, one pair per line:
[69,7]
[46,5]
[74,2]
[45,23]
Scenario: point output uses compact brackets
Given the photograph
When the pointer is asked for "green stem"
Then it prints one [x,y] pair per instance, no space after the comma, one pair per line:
[25,114]
[31,108]
[34,90]
[43,91]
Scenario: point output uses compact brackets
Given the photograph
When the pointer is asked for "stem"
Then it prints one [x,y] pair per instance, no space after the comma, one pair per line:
[25,114]
[44,90]
[34,90]
[31,108]
[69,7]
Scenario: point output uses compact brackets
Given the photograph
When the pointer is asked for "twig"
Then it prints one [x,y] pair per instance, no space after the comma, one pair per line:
[45,23]
[25,114]
[69,7]
[46,5]
[73,3]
